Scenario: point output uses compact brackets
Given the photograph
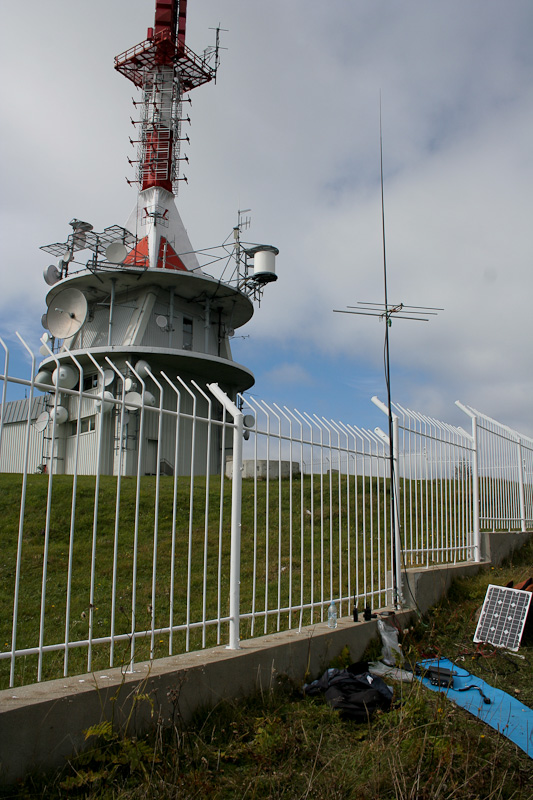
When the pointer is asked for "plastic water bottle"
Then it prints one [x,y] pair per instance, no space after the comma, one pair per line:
[332,615]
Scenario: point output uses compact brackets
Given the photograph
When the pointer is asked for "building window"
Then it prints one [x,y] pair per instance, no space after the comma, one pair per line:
[87,424]
[187,333]
[90,382]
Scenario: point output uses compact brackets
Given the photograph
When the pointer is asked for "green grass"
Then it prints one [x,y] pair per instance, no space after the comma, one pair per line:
[280,744]
[283,543]
[276,538]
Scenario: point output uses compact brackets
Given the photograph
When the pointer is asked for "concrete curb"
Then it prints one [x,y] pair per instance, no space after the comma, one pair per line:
[41,725]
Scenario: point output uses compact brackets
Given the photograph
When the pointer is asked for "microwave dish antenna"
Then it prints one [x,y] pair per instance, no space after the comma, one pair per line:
[116,252]
[42,421]
[51,274]
[66,313]
[109,377]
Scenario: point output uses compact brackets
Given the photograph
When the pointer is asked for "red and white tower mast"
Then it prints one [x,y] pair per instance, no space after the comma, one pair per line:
[165,70]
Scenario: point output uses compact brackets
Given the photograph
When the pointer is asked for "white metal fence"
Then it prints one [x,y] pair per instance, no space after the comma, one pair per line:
[136,530]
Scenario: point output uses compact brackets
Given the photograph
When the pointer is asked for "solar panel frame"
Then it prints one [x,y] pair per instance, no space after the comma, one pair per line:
[503,616]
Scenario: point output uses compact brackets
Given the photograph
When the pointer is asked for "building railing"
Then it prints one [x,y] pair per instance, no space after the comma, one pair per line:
[179,519]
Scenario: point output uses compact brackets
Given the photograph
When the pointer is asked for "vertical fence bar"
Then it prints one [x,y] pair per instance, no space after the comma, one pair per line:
[236,503]
[72,517]
[191,512]
[140,438]
[206,510]
[475,481]
[174,515]
[521,489]
[156,513]
[117,512]
[18,565]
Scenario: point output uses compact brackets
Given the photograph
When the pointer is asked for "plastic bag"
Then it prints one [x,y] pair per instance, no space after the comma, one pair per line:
[392,651]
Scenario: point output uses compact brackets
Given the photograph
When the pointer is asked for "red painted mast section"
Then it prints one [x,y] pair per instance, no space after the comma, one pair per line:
[165,69]
[158,150]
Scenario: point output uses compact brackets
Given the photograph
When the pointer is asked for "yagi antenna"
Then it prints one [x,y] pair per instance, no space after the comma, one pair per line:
[414,313]
[388,311]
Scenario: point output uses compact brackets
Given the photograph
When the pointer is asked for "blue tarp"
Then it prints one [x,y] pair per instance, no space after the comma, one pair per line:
[505,714]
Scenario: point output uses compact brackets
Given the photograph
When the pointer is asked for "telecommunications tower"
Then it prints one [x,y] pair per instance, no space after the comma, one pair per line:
[138,295]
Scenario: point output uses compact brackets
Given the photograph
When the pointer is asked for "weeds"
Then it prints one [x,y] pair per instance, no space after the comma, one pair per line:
[281,744]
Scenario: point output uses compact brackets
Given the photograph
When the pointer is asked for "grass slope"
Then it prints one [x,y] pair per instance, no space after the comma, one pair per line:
[283,745]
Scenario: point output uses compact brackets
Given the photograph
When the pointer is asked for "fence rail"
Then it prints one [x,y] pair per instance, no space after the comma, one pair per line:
[184,518]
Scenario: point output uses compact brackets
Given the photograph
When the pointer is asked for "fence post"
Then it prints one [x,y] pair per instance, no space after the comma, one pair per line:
[395,501]
[521,486]
[396,450]
[236,502]
[475,481]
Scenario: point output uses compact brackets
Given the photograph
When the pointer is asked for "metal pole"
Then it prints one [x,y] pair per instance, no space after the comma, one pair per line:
[236,502]
[521,487]
[475,481]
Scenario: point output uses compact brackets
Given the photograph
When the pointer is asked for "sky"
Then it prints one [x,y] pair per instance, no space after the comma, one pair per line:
[291,129]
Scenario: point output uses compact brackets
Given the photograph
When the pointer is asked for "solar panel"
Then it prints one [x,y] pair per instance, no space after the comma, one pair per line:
[503,617]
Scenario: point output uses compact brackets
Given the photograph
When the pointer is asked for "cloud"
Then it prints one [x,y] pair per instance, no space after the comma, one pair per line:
[289,374]
[291,129]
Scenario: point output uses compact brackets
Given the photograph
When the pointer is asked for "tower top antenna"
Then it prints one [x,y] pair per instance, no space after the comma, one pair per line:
[165,69]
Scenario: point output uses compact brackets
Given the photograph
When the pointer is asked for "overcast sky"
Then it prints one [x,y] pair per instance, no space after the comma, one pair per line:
[291,130]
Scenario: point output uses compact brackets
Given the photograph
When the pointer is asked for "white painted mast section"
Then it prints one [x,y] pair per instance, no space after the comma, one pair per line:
[156,215]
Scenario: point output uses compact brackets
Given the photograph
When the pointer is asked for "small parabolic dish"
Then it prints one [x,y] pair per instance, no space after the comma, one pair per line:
[65,377]
[44,321]
[109,377]
[161,321]
[43,350]
[142,368]
[51,274]
[129,385]
[66,313]
[149,399]
[43,376]
[108,403]
[116,252]
[60,414]
[42,421]
[133,401]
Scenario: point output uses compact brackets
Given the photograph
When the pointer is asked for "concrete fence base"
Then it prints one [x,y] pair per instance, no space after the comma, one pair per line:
[42,725]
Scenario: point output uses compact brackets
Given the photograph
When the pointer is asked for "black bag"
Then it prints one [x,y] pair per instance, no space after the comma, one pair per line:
[354,692]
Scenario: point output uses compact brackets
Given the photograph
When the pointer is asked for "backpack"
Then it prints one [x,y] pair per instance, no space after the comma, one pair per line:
[354,692]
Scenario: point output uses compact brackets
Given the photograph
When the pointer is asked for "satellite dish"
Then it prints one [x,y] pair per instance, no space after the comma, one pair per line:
[133,401]
[108,403]
[142,368]
[248,421]
[149,399]
[129,385]
[66,313]
[45,338]
[42,421]
[43,376]
[161,321]
[109,377]
[60,414]
[44,321]
[65,377]
[116,252]
[51,275]
[43,350]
